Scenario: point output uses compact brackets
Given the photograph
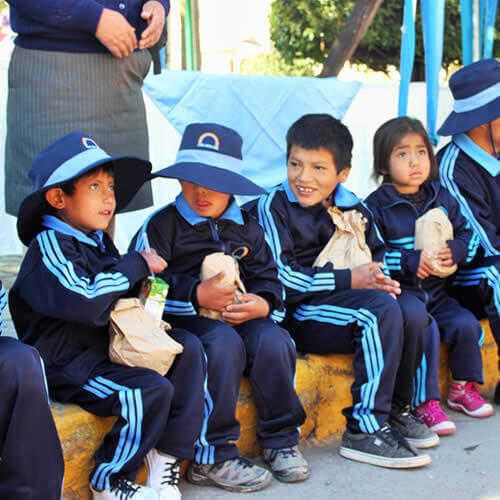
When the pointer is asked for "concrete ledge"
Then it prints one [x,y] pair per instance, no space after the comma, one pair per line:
[323,384]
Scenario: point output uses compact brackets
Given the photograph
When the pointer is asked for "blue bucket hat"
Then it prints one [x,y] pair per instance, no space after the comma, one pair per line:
[68,158]
[476,90]
[210,156]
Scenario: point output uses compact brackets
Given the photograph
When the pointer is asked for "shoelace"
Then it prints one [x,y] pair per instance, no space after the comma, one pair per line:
[286,452]
[126,488]
[392,436]
[472,392]
[171,473]
[240,462]
[432,407]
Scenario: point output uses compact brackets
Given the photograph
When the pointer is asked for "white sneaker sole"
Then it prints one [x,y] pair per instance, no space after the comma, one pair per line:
[389,462]
[429,442]
[485,411]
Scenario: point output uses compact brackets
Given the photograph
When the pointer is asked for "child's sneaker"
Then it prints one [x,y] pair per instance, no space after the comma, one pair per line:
[413,429]
[435,418]
[288,464]
[123,489]
[236,474]
[163,474]
[465,397]
[385,448]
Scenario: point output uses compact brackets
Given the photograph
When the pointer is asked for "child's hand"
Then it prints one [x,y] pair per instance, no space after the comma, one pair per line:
[371,276]
[249,306]
[155,263]
[444,256]
[425,267]
[211,294]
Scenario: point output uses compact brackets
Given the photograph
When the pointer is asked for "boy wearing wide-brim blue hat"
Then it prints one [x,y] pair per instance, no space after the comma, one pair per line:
[469,168]
[205,219]
[67,286]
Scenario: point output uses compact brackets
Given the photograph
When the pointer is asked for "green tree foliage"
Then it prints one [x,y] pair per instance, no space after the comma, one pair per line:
[307,28]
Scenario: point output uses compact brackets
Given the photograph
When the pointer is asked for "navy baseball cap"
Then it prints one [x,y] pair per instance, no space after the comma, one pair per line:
[210,156]
[68,158]
[476,90]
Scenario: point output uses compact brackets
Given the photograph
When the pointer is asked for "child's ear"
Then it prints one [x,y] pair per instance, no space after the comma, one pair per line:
[55,198]
[344,174]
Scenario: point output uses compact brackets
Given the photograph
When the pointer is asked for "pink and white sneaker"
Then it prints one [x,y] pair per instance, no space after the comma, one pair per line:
[435,418]
[465,397]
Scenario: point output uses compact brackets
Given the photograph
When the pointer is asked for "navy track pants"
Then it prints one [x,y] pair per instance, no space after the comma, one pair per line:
[369,324]
[31,460]
[153,411]
[478,289]
[264,351]
[454,325]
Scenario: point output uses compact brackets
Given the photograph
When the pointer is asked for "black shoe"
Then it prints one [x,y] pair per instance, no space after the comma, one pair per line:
[385,448]
[413,429]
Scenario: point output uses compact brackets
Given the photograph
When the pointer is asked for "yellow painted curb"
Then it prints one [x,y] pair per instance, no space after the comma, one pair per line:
[323,384]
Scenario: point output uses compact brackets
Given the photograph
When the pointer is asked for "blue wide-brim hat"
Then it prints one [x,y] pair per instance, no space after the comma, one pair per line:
[210,156]
[68,158]
[476,93]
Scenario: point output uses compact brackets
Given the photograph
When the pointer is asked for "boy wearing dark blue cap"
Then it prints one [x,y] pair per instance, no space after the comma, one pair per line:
[31,463]
[205,219]
[469,168]
[69,281]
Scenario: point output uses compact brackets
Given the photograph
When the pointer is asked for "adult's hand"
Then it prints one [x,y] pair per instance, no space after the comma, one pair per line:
[154,13]
[115,33]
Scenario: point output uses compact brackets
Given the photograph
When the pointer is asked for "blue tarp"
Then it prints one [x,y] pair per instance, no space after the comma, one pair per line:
[260,108]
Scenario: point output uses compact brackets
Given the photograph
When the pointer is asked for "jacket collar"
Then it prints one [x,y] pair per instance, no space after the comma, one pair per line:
[479,155]
[390,197]
[52,222]
[343,198]
[232,213]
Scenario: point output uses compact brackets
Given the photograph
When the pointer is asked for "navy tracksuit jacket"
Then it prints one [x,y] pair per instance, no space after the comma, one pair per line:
[473,177]
[457,326]
[60,303]
[31,460]
[261,347]
[324,315]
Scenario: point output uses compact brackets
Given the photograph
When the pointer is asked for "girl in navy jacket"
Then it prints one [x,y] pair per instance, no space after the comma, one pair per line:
[403,156]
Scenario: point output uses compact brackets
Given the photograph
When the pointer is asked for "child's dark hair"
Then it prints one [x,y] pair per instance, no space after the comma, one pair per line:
[69,186]
[388,135]
[315,131]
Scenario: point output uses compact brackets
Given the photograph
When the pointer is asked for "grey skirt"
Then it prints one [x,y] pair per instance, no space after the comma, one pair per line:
[54,93]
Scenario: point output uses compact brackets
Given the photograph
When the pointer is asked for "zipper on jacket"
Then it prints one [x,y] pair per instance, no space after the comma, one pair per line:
[214,229]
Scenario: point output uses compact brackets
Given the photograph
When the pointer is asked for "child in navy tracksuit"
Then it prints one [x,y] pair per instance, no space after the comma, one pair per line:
[31,461]
[469,167]
[332,310]
[202,220]
[68,284]
[403,156]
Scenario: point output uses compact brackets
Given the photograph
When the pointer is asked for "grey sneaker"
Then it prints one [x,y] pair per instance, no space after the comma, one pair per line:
[288,464]
[385,448]
[237,475]
[413,429]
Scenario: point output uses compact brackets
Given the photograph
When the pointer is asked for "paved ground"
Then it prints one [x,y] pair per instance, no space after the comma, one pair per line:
[465,466]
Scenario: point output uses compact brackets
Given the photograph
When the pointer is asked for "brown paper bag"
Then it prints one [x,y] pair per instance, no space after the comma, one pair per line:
[135,339]
[432,231]
[212,265]
[347,247]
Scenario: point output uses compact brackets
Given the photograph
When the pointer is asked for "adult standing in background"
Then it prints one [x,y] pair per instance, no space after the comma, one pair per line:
[78,66]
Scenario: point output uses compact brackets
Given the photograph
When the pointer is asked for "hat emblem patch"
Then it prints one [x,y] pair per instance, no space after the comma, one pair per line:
[208,140]
[89,143]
